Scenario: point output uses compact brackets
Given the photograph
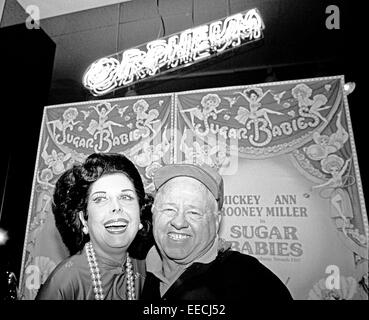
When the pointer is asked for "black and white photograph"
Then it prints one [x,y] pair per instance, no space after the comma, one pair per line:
[170,151]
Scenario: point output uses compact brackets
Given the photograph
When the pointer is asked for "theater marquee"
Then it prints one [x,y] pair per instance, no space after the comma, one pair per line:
[172,52]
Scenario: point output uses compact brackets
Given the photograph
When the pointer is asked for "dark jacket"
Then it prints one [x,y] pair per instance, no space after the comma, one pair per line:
[231,276]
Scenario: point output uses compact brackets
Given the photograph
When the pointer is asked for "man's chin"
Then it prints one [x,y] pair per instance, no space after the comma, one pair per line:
[178,256]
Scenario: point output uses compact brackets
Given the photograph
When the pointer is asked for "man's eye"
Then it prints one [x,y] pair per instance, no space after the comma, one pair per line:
[169,211]
[194,213]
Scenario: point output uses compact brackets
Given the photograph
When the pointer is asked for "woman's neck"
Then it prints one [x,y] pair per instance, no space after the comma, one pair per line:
[115,254]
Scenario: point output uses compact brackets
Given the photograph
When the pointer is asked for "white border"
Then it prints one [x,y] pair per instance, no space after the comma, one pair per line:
[264,84]
[356,163]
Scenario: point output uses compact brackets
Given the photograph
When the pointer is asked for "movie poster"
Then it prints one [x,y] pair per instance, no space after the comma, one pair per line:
[293,195]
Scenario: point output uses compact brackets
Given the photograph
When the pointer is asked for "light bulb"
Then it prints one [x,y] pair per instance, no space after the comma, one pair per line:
[349,87]
[3,237]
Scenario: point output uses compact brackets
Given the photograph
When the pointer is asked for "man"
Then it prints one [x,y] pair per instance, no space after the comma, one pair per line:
[189,262]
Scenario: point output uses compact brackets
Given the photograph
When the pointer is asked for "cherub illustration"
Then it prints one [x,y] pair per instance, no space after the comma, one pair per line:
[69,116]
[277,97]
[151,153]
[122,110]
[346,290]
[45,197]
[85,114]
[317,104]
[144,158]
[162,147]
[147,179]
[219,150]
[144,118]
[254,96]
[55,160]
[196,153]
[103,109]
[336,167]
[43,180]
[199,113]
[231,100]
[325,145]
[302,93]
[209,105]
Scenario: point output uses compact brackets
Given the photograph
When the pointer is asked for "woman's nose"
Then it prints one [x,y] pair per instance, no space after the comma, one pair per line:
[116,206]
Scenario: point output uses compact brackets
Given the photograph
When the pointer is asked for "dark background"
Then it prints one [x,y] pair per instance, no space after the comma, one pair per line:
[27,61]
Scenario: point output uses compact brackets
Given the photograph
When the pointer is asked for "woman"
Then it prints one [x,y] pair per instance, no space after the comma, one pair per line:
[97,208]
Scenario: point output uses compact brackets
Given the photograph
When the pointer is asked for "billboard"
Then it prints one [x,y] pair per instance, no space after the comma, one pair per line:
[286,151]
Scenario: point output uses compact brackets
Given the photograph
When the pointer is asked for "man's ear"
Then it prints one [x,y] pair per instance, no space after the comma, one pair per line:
[218,220]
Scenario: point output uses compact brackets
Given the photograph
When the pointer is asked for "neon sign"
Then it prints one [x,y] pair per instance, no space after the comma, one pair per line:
[178,50]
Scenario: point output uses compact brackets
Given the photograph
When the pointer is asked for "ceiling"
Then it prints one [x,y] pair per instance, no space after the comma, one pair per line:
[86,30]
[53,8]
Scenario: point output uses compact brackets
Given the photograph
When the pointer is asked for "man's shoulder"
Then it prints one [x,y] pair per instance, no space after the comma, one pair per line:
[246,270]
[239,260]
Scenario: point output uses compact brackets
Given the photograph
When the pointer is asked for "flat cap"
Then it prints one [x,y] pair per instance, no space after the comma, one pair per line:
[208,176]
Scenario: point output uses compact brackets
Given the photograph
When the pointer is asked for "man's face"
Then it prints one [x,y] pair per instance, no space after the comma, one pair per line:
[185,222]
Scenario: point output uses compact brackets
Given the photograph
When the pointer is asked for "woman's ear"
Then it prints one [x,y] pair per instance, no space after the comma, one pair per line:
[84,222]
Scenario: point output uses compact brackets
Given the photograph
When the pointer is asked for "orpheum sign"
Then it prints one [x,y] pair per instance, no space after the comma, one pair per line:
[172,52]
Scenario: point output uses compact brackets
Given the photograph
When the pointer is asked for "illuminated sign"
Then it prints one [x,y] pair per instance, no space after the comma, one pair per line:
[178,50]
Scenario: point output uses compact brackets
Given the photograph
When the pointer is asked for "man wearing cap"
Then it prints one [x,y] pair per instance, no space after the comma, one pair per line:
[189,262]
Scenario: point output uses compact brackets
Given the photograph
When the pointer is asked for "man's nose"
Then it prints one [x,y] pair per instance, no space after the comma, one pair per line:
[179,221]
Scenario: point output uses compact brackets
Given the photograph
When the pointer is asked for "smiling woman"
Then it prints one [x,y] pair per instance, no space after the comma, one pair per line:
[102,213]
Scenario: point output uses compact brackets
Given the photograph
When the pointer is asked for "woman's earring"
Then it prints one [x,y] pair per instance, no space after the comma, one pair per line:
[140,226]
[85,229]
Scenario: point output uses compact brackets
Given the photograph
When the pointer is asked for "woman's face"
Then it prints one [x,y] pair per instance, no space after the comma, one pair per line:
[253,96]
[103,111]
[113,212]
[334,170]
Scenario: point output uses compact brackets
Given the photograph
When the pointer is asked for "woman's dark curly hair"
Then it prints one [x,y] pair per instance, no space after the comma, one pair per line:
[252,91]
[71,196]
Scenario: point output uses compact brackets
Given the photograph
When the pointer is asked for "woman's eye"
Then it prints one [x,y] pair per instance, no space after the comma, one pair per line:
[126,197]
[99,199]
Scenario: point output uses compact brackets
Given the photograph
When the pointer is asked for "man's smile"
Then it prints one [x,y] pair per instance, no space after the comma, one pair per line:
[178,236]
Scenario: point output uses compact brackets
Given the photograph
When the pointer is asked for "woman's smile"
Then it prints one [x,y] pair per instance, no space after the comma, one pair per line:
[116,226]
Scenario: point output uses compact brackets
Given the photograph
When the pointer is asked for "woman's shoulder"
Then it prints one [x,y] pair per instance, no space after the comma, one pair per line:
[64,278]
[71,264]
